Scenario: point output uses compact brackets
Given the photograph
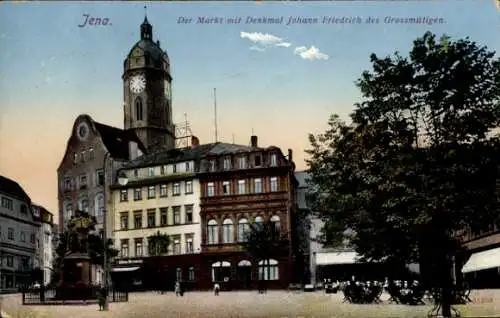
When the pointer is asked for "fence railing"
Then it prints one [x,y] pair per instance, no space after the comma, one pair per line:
[55,295]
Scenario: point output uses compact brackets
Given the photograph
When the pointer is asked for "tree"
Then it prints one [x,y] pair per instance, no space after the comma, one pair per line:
[262,241]
[417,166]
[158,244]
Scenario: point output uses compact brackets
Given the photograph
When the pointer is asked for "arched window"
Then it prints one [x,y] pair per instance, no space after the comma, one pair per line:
[276,221]
[268,269]
[84,205]
[138,108]
[227,228]
[99,205]
[68,210]
[243,229]
[259,221]
[212,233]
[221,271]
[178,274]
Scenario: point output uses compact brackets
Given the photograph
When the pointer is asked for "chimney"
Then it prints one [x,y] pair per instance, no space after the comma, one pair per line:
[254,141]
[195,142]
[290,155]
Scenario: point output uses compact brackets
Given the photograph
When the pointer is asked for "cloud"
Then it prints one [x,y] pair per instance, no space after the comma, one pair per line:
[256,48]
[263,40]
[311,53]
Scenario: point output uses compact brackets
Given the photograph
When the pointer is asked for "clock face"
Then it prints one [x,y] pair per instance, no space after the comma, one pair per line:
[82,131]
[137,84]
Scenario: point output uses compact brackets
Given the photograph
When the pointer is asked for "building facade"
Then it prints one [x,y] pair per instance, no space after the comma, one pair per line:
[19,230]
[241,185]
[46,251]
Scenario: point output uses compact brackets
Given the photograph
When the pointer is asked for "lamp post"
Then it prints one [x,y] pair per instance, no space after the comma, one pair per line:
[122,180]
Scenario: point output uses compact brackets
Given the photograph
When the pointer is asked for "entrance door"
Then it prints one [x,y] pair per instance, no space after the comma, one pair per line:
[245,276]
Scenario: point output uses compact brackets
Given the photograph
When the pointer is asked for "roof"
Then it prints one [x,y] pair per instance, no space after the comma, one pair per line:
[13,189]
[222,148]
[170,156]
[117,140]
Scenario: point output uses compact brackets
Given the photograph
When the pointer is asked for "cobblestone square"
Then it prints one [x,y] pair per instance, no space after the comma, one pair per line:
[246,304]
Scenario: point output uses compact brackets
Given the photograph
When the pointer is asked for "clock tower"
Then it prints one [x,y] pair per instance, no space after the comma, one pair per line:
[147,92]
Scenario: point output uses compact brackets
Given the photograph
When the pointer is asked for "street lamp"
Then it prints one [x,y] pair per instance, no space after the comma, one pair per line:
[122,180]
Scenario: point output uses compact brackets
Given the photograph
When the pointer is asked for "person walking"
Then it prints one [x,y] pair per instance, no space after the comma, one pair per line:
[177,288]
[216,289]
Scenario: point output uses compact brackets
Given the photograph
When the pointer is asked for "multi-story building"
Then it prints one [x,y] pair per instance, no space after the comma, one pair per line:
[19,230]
[95,151]
[162,195]
[46,251]
[241,185]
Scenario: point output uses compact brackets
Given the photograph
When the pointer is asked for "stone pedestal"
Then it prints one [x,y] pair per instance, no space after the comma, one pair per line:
[76,269]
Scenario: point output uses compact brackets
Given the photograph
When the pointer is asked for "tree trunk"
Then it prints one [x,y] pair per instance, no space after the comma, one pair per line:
[446,288]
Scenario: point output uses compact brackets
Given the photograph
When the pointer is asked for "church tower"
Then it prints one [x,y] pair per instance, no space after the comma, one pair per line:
[147,88]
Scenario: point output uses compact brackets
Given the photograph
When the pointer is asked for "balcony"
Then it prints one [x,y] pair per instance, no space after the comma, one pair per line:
[247,198]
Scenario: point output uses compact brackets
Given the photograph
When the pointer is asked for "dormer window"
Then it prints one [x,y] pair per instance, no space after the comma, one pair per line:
[212,165]
[162,170]
[257,160]
[151,171]
[188,167]
[274,160]
[227,163]
[242,162]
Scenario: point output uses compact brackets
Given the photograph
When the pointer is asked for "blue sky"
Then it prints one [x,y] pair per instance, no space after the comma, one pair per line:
[51,70]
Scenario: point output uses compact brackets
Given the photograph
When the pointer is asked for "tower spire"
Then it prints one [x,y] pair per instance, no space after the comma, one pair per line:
[146,28]
[145,14]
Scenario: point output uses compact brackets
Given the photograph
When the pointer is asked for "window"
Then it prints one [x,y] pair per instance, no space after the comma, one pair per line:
[163,216]
[84,205]
[123,195]
[188,187]
[151,192]
[213,236]
[178,274]
[177,246]
[151,171]
[83,156]
[138,247]
[67,184]
[274,184]
[276,221]
[177,215]
[151,218]
[258,221]
[188,209]
[138,108]
[258,160]
[189,244]
[221,270]
[274,161]
[241,187]
[83,181]
[124,221]
[268,269]
[227,163]
[174,168]
[191,273]
[243,229]
[210,189]
[24,209]
[7,203]
[91,154]
[137,194]
[10,234]
[100,177]
[32,238]
[23,237]
[75,157]
[211,165]
[10,261]
[163,190]
[188,167]
[124,248]
[176,189]
[257,185]
[137,219]
[242,162]
[227,229]
[226,187]
[136,173]
[99,205]
[162,170]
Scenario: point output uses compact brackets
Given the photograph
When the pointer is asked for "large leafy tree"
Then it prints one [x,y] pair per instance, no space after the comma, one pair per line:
[158,244]
[417,165]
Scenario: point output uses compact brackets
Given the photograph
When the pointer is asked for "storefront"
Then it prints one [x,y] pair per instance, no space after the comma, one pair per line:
[482,269]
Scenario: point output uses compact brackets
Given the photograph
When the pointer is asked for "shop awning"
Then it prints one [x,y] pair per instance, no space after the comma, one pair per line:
[336,258]
[125,269]
[482,260]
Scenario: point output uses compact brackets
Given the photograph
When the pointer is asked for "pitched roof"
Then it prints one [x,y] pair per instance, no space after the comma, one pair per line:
[12,188]
[117,140]
[170,156]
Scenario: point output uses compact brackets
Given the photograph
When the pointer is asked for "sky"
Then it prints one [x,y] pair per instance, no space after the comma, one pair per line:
[278,81]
